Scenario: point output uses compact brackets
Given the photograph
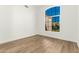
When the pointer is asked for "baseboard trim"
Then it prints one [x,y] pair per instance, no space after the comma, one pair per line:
[18,38]
[57,38]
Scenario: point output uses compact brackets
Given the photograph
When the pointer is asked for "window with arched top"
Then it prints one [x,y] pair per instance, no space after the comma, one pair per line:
[52,19]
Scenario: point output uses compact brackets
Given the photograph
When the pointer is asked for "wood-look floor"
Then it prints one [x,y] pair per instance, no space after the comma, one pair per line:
[39,44]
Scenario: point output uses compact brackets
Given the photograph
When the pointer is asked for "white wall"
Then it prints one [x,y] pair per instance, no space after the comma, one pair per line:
[23,21]
[78,25]
[68,21]
[16,22]
[36,17]
[5,23]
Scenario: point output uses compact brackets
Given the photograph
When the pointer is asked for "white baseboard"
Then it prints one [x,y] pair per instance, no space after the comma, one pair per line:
[60,38]
[17,38]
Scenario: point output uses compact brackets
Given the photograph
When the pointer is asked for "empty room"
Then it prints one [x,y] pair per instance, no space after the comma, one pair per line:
[39,28]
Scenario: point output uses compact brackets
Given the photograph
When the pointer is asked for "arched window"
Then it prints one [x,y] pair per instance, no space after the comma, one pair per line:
[52,19]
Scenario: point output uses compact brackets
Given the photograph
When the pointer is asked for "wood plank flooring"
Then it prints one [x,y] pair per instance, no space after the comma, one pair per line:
[39,44]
